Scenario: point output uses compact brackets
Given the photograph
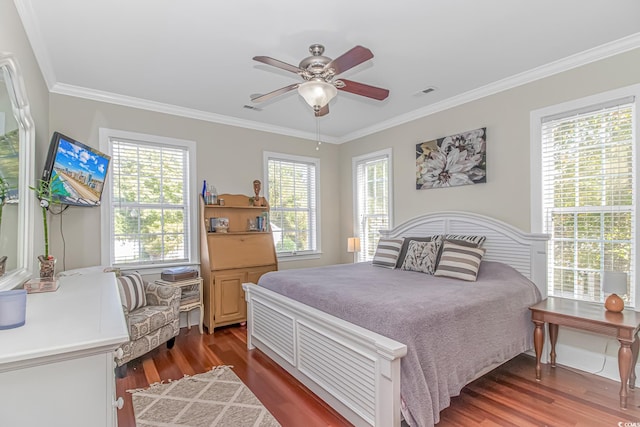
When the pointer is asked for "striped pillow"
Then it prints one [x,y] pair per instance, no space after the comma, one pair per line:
[476,240]
[459,262]
[387,253]
[131,288]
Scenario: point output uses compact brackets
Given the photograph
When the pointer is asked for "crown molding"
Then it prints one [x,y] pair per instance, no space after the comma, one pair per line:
[583,58]
[159,107]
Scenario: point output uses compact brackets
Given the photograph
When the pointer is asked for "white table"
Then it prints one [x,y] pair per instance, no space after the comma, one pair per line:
[58,369]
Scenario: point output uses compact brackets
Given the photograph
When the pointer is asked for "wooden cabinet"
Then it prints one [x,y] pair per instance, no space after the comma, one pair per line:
[230,259]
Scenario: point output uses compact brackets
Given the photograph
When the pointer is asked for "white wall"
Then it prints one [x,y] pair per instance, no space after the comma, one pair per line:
[228,157]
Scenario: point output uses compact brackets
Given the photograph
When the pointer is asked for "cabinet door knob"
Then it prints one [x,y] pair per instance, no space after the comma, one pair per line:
[119,403]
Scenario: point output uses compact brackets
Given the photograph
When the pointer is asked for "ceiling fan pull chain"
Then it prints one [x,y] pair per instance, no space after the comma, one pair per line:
[318,133]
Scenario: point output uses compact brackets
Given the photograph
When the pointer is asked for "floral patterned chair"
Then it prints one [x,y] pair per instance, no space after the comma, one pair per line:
[152,314]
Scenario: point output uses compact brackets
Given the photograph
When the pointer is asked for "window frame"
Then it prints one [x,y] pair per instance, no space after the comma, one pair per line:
[106,136]
[310,254]
[357,223]
[537,188]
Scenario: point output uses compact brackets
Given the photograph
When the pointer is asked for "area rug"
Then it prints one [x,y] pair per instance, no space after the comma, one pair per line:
[214,399]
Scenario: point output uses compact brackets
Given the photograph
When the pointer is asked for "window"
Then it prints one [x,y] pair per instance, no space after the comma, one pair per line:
[588,194]
[292,191]
[149,206]
[372,192]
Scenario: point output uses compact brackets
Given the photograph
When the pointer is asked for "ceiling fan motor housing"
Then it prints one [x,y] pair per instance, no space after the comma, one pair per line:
[314,65]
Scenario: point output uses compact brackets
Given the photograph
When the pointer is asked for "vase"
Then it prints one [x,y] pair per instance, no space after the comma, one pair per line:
[47,267]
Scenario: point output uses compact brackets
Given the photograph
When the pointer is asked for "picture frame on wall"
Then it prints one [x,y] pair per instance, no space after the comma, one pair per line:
[455,160]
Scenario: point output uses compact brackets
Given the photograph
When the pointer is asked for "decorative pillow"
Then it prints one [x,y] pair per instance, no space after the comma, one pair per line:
[131,288]
[476,240]
[462,240]
[421,256]
[459,262]
[387,253]
[405,246]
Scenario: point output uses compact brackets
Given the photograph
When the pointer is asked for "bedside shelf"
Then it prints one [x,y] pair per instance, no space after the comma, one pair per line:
[191,299]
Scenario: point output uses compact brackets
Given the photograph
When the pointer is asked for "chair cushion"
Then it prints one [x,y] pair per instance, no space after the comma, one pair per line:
[131,288]
[146,320]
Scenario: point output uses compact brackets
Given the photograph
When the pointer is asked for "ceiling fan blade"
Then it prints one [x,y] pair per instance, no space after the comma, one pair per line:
[349,59]
[364,90]
[276,63]
[323,111]
[277,92]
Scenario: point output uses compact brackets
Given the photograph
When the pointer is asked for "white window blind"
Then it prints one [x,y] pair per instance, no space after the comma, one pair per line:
[588,181]
[373,200]
[150,203]
[292,194]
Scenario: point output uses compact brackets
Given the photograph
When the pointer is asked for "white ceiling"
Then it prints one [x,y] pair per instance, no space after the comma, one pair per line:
[194,57]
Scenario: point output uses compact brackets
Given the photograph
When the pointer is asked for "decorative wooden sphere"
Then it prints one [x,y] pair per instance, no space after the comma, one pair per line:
[614,303]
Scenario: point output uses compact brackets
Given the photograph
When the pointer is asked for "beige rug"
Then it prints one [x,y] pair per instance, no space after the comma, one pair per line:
[214,399]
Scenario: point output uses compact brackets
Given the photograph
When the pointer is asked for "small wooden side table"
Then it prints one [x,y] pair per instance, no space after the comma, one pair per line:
[591,317]
[187,302]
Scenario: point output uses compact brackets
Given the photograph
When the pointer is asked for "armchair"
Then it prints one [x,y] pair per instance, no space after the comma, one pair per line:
[152,314]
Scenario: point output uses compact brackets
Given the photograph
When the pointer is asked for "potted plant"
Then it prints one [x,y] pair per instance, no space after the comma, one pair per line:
[43,193]
[4,194]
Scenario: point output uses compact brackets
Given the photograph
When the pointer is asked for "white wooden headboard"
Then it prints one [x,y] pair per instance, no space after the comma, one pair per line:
[526,252]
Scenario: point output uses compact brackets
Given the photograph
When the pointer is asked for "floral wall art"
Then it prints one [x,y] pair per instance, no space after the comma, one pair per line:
[455,160]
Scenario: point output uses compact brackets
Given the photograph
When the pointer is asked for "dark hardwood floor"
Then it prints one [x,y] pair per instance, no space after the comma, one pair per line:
[507,396]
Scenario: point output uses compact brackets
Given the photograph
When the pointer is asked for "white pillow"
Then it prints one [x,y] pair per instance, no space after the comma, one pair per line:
[421,256]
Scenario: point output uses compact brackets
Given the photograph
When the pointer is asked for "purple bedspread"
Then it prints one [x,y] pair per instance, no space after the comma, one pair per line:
[453,329]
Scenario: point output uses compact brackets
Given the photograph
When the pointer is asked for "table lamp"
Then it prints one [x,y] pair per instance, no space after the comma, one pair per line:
[614,283]
[353,245]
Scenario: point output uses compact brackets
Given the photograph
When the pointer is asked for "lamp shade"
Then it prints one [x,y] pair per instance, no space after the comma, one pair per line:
[317,93]
[353,244]
[614,282]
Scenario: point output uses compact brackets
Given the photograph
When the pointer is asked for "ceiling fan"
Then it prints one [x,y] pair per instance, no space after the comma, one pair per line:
[318,72]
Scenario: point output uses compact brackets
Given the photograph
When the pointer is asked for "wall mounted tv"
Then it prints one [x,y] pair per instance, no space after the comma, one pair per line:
[77,172]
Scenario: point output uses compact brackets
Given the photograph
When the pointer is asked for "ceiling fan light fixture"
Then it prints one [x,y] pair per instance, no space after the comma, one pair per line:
[317,93]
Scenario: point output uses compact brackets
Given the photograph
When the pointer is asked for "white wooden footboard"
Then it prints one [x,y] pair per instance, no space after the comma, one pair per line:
[354,370]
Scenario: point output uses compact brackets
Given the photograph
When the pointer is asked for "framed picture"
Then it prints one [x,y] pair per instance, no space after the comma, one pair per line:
[455,160]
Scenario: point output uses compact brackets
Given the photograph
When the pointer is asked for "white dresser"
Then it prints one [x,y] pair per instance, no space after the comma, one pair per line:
[58,369]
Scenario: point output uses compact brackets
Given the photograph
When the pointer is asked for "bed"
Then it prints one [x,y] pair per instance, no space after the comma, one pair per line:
[355,364]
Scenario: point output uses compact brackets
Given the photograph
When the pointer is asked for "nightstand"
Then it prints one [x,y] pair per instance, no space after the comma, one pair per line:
[191,297]
[593,317]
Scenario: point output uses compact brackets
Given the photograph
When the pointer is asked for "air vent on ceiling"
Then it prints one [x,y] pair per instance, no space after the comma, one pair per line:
[251,107]
[429,89]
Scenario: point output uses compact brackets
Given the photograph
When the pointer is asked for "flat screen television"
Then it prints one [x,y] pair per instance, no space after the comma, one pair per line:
[76,172]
